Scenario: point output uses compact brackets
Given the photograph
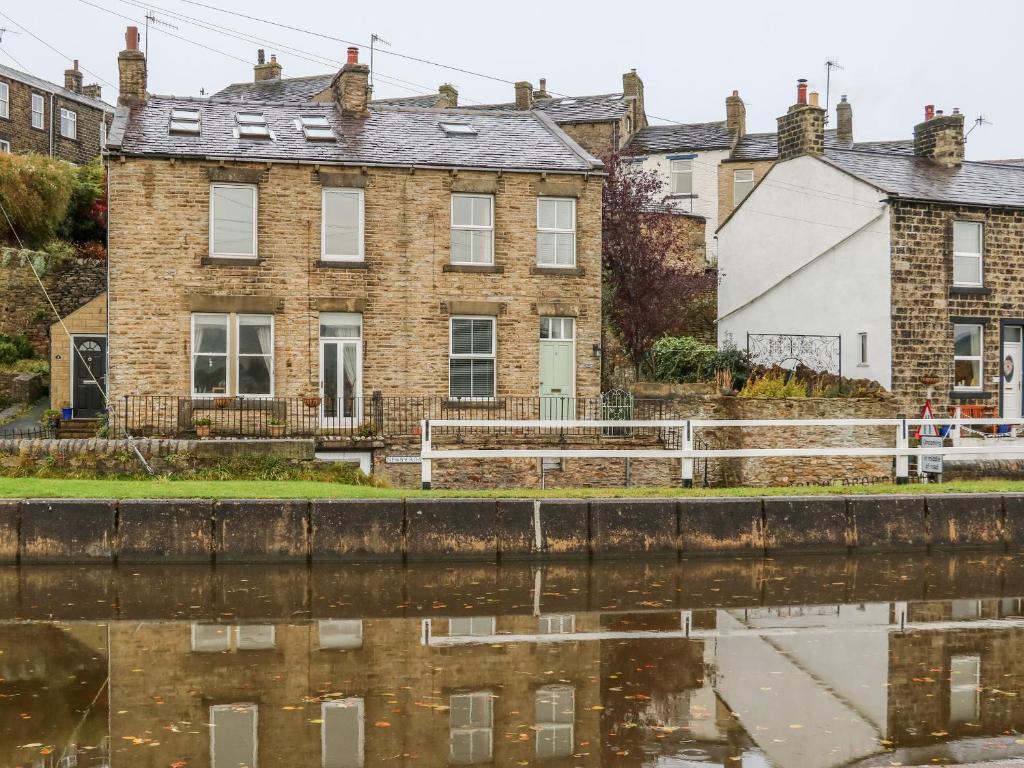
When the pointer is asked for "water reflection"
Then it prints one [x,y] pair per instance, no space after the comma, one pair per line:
[790,663]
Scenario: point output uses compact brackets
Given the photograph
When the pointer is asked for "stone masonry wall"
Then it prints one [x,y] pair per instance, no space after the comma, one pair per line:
[159,232]
[726,203]
[89,318]
[597,138]
[924,302]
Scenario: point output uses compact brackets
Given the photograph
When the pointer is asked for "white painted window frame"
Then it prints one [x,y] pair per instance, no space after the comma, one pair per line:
[971,686]
[254,188]
[557,231]
[193,353]
[489,625]
[452,355]
[979,357]
[469,730]
[674,172]
[862,348]
[553,724]
[737,181]
[5,100]
[192,638]
[238,637]
[979,256]
[5,147]
[562,320]
[103,133]
[359,704]
[353,257]
[472,228]
[71,118]
[255,731]
[37,98]
[238,353]
[556,623]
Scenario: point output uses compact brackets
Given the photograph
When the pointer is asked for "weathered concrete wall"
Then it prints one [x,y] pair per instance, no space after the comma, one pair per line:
[60,530]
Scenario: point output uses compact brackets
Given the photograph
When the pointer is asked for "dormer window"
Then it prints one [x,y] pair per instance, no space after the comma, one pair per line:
[252,125]
[458,129]
[185,121]
[316,128]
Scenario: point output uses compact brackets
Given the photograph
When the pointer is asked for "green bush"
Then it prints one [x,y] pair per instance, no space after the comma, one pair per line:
[14,348]
[681,359]
[36,192]
[774,383]
[86,220]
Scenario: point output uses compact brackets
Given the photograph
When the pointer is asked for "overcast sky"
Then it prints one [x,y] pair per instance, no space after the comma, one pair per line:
[897,55]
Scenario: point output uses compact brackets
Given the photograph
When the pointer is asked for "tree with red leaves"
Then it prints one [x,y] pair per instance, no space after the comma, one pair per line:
[648,282]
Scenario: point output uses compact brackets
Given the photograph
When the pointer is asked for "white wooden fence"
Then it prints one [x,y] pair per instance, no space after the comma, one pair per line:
[900,450]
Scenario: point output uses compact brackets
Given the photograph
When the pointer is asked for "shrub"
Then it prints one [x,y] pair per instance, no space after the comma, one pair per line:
[774,383]
[734,362]
[35,190]
[681,359]
[14,348]
[86,220]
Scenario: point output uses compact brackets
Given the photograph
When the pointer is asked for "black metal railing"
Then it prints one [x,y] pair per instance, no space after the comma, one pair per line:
[27,433]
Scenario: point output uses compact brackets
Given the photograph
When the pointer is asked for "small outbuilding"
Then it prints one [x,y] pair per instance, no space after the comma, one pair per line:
[78,360]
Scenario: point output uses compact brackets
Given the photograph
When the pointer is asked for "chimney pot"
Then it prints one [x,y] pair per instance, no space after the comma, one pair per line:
[542,92]
[261,57]
[801,91]
[813,96]
[73,79]
[131,39]
[131,68]
[929,111]
[264,70]
[956,110]
[938,113]
[353,55]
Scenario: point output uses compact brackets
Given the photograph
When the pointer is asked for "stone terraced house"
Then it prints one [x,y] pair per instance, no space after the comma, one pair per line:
[340,249]
[908,264]
[38,116]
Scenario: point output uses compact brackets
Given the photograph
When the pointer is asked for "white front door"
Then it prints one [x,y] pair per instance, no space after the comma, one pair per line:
[341,369]
[557,367]
[1010,369]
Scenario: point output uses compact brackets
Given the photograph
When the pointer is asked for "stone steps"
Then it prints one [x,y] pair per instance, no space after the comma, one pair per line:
[77,428]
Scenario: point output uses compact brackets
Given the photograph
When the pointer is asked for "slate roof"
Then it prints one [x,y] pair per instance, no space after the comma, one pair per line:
[48,87]
[918,178]
[572,109]
[764,146]
[284,89]
[680,138]
[388,136]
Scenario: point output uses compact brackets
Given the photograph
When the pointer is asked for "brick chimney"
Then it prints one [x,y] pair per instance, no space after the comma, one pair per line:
[351,86]
[73,78]
[447,96]
[524,95]
[736,115]
[131,65]
[940,137]
[93,90]
[802,128]
[633,87]
[844,122]
[264,71]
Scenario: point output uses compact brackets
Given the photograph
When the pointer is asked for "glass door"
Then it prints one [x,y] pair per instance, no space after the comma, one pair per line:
[340,369]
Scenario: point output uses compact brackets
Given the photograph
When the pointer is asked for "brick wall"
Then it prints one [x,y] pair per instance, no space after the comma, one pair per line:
[923,303]
[18,130]
[159,231]
[726,169]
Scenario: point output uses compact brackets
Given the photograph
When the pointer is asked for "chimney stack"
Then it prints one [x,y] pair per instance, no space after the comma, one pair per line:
[736,115]
[351,86]
[542,92]
[447,96]
[940,138]
[264,71]
[633,87]
[131,66]
[93,90]
[844,122]
[802,128]
[73,79]
[524,95]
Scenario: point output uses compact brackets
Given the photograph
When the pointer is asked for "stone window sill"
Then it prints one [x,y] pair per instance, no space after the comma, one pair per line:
[321,264]
[969,290]
[966,394]
[681,196]
[565,271]
[494,404]
[230,261]
[484,269]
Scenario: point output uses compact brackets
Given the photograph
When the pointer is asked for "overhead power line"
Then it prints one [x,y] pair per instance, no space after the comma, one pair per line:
[59,53]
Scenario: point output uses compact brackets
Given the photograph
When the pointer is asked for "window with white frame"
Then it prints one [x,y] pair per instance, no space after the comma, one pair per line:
[211,638]
[255,637]
[233,220]
[742,183]
[470,728]
[555,714]
[471,626]
[233,729]
[342,733]
[556,232]
[5,100]
[964,682]
[37,110]
[232,354]
[556,624]
[68,124]
[342,225]
[5,147]
[681,174]
[471,361]
[968,239]
[967,353]
[862,348]
[219,638]
[557,328]
[472,229]
[340,634]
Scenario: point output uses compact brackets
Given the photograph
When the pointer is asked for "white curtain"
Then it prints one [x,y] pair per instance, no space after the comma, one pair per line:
[263,336]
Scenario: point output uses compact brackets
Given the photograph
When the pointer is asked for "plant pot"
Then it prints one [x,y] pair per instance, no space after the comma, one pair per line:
[276,430]
[65,414]
[312,401]
[222,402]
[203,430]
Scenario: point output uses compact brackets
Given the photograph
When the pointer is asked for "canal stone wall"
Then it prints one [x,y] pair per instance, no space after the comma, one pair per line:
[299,530]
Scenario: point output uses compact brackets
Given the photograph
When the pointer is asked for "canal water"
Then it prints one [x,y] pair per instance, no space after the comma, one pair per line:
[792,663]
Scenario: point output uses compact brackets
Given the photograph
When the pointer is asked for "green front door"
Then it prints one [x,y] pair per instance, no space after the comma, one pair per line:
[557,368]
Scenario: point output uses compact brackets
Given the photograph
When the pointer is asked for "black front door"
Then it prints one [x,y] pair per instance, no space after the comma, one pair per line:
[88,366]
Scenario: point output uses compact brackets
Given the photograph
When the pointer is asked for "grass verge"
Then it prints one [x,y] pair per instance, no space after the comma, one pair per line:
[33,487]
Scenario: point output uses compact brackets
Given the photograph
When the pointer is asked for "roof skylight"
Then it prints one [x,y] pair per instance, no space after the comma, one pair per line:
[185,121]
[316,128]
[252,125]
[458,129]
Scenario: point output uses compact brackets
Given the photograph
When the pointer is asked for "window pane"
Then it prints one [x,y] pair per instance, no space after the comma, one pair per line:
[341,223]
[967,340]
[460,378]
[341,634]
[255,637]
[342,325]
[255,335]
[545,328]
[233,735]
[556,249]
[211,333]
[968,373]
[481,246]
[554,705]
[481,211]
[470,710]
[547,214]
[483,340]
[462,246]
[462,210]
[483,378]
[462,336]
[254,375]
[234,211]
[210,638]
[967,270]
[342,733]
[967,236]
[211,374]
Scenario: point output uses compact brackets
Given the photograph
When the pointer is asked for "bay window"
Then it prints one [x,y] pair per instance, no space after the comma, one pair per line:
[232,355]
[233,220]
[556,232]
[472,229]
[967,356]
[967,253]
[342,225]
[471,358]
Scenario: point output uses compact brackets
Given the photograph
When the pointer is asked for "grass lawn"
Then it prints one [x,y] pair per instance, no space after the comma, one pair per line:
[31,487]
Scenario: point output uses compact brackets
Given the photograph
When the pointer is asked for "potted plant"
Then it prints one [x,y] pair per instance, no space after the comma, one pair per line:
[222,401]
[312,399]
[276,427]
[203,427]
